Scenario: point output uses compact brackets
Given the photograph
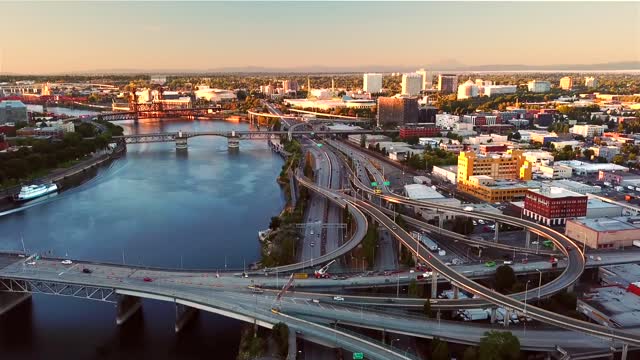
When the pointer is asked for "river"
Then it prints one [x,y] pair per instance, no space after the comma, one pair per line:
[61,110]
[157,207]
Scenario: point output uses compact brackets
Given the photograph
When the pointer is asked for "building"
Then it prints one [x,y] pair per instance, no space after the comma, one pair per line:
[597,208]
[411,84]
[575,186]
[427,114]
[43,131]
[290,86]
[481,119]
[427,79]
[508,166]
[372,83]
[612,306]
[590,82]
[588,131]
[491,90]
[447,83]
[555,172]
[490,190]
[566,83]
[397,110]
[418,130]
[13,111]
[560,144]
[486,139]
[447,173]
[216,95]
[618,177]
[584,168]
[543,119]
[453,146]
[369,139]
[553,206]
[607,152]
[425,193]
[604,233]
[446,121]
[467,90]
[539,86]
[65,126]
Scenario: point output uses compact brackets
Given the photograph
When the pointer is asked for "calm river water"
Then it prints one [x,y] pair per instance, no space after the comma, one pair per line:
[153,207]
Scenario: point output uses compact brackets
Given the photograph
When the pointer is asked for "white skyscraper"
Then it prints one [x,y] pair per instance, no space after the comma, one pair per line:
[467,90]
[427,81]
[411,84]
[372,83]
[590,82]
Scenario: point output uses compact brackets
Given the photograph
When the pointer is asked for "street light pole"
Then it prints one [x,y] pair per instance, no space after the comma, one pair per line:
[526,288]
[539,284]
[398,286]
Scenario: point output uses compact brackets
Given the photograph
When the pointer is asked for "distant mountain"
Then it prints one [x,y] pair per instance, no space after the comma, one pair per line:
[445,65]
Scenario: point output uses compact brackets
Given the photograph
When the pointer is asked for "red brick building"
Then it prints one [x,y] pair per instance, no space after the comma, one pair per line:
[553,206]
[486,149]
[423,130]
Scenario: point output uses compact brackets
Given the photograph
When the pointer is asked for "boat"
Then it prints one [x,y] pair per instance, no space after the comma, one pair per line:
[31,192]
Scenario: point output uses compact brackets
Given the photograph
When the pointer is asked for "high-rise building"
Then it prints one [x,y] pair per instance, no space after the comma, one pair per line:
[539,86]
[590,82]
[427,79]
[397,110]
[411,84]
[372,83]
[447,83]
[566,83]
[289,85]
[509,166]
[467,90]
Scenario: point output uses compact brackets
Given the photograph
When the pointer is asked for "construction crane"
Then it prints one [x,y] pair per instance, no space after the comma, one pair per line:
[322,272]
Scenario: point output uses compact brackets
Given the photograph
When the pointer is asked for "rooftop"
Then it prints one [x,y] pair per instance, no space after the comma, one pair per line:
[599,204]
[12,104]
[609,224]
[421,192]
[591,167]
[571,185]
[556,192]
[620,305]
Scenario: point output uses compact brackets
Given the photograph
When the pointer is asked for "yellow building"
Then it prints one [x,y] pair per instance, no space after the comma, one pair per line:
[485,177]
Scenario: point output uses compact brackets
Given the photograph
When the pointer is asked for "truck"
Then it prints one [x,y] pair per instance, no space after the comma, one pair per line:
[322,272]
[619,188]
[300,275]
[607,184]
[636,243]
[628,197]
[428,243]
[630,188]
[473,314]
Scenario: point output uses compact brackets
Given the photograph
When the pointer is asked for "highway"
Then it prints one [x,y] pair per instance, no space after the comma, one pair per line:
[226,296]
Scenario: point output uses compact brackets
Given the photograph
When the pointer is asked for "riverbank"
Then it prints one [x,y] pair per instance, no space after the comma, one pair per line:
[65,178]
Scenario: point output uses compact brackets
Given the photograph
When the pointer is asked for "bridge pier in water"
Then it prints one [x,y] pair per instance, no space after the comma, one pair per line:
[127,307]
[9,300]
[181,141]
[183,315]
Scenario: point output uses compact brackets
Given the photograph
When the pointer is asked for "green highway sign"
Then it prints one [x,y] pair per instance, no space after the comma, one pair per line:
[358,356]
[387,183]
[373,183]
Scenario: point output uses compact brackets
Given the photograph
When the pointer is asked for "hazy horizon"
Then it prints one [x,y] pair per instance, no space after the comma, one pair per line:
[57,37]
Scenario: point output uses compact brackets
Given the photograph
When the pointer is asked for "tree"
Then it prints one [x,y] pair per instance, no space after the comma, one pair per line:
[588,153]
[280,336]
[275,223]
[470,353]
[618,159]
[241,95]
[504,278]
[440,350]
[427,308]
[414,289]
[498,345]
[308,168]
[363,140]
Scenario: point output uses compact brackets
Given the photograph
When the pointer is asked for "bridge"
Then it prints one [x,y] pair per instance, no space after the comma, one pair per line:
[158,111]
[180,137]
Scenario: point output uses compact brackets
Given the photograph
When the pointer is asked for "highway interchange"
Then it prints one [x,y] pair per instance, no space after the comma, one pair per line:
[229,294]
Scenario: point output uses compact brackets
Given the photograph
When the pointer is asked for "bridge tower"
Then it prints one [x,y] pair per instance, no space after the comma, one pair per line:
[233,141]
[133,103]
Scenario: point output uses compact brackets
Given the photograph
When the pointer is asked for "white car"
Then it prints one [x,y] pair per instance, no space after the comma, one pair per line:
[507,262]
[311,232]
[474,222]
[338,298]
[67,262]
[31,263]
[481,222]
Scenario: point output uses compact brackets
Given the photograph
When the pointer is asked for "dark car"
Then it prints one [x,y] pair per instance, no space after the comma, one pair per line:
[87,271]
[147,279]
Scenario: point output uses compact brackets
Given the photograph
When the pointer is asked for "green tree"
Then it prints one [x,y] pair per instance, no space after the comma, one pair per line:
[308,167]
[280,336]
[440,350]
[470,353]
[414,289]
[504,278]
[275,223]
[426,309]
[363,140]
[618,159]
[499,345]
[588,153]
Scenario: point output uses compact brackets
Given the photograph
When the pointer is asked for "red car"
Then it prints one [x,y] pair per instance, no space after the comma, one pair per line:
[147,279]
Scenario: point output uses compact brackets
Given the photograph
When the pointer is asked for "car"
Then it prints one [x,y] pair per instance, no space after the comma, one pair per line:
[315,301]
[411,271]
[394,228]
[312,244]
[535,242]
[490,264]
[67,262]
[147,279]
[311,232]
[481,222]
[598,258]
[87,271]
[474,222]
[525,260]
[507,262]
[31,263]
[338,298]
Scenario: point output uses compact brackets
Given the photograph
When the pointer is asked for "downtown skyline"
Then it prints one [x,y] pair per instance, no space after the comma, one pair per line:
[354,36]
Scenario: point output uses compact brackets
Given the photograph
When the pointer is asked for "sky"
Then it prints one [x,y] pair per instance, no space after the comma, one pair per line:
[54,37]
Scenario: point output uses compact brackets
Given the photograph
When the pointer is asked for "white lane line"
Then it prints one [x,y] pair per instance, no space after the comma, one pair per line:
[67,269]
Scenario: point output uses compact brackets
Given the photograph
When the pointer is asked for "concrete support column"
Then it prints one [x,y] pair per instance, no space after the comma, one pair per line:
[571,287]
[497,231]
[494,312]
[384,336]
[456,292]
[434,284]
[127,307]
[507,317]
[441,221]
[438,314]
[233,143]
[527,236]
[293,346]
[183,315]
[625,349]
[9,300]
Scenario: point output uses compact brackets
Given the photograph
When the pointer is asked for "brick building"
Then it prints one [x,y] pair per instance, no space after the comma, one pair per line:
[553,206]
